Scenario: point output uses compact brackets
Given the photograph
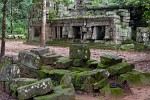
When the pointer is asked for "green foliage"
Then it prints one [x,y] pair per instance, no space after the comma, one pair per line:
[145,4]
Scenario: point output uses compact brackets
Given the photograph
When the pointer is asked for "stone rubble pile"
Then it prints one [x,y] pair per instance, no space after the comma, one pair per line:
[39,74]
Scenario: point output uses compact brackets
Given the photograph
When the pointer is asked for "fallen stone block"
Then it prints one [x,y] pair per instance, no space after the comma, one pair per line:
[18,82]
[9,59]
[55,75]
[28,59]
[78,62]
[85,80]
[63,63]
[9,72]
[79,51]
[40,51]
[60,93]
[120,68]
[114,93]
[50,59]
[110,59]
[101,84]
[102,66]
[35,89]
[92,64]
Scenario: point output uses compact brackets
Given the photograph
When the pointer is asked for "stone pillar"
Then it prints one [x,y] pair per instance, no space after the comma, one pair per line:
[94,36]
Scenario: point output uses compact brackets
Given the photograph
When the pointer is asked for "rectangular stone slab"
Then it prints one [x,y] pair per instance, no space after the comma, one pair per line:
[110,59]
[40,51]
[120,68]
[49,59]
[79,51]
[36,89]
[29,59]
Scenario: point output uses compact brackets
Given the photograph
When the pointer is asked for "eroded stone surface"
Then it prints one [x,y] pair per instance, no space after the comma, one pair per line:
[35,89]
[28,59]
[79,51]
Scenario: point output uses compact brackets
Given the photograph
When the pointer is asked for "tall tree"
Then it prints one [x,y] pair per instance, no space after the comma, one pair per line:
[43,28]
[3,30]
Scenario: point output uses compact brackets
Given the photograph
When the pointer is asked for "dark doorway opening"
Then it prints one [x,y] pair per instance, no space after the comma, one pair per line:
[61,30]
[77,32]
[37,31]
[100,32]
[56,32]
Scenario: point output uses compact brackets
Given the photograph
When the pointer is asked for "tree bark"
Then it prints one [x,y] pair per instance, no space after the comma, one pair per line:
[3,30]
[43,28]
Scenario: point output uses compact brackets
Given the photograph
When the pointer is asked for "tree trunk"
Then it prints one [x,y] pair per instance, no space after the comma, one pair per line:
[3,30]
[43,28]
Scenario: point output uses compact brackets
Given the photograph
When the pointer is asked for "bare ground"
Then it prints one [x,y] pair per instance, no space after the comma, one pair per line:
[140,59]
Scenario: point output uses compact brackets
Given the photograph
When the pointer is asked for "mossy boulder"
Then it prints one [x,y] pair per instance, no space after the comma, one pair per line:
[9,60]
[78,62]
[92,64]
[26,72]
[55,75]
[135,78]
[110,59]
[35,89]
[28,59]
[40,51]
[101,84]
[112,92]
[102,66]
[9,72]
[60,93]
[85,80]
[120,68]
[66,81]
[50,59]
[79,51]
[63,63]
[18,82]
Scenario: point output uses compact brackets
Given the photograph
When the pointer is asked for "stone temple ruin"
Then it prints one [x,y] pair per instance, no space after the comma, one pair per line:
[39,74]
[82,21]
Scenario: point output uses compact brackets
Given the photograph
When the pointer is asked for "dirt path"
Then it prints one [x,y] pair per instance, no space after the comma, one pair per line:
[141,60]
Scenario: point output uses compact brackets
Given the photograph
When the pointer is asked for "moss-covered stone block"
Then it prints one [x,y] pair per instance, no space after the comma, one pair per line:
[28,59]
[120,68]
[102,66]
[18,82]
[55,75]
[101,84]
[40,51]
[85,80]
[79,51]
[92,64]
[35,89]
[63,63]
[26,72]
[135,78]
[112,92]
[50,59]
[60,93]
[9,60]
[78,62]
[110,59]
[66,81]
[9,72]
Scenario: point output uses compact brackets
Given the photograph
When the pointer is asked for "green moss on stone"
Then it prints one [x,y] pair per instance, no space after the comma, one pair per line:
[110,59]
[113,92]
[120,68]
[101,83]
